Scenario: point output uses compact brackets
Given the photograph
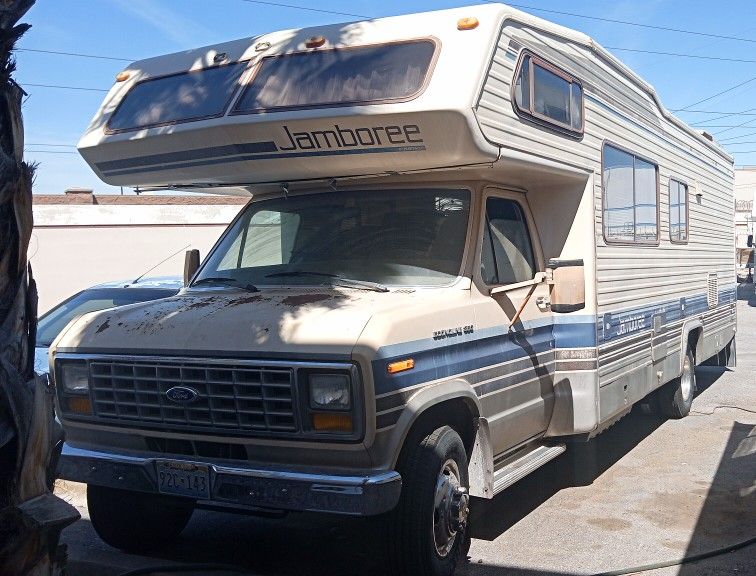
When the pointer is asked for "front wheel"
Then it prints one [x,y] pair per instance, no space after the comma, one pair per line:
[675,398]
[428,532]
[133,521]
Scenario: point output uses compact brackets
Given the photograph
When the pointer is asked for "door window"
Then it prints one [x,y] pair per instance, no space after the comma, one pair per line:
[507,253]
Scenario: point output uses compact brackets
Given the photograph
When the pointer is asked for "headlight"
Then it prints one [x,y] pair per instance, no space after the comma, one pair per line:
[330,391]
[74,377]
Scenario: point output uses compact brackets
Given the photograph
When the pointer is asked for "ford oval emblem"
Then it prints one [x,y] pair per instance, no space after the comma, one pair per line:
[182,394]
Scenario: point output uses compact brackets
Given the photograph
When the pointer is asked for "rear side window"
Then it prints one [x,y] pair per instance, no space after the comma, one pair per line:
[630,198]
[678,211]
[177,98]
[549,94]
[507,253]
[339,77]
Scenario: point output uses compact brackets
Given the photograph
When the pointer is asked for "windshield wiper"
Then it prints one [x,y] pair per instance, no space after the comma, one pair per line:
[335,279]
[227,281]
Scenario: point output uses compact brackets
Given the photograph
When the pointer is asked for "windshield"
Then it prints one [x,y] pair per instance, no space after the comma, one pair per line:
[394,237]
[55,320]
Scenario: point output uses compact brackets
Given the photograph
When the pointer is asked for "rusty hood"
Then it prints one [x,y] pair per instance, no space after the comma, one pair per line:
[215,322]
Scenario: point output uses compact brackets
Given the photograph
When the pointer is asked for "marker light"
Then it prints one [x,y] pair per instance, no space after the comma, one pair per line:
[401,366]
[79,404]
[123,76]
[467,23]
[331,422]
[315,42]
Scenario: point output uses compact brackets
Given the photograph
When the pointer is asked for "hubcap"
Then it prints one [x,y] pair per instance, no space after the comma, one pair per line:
[686,380]
[450,508]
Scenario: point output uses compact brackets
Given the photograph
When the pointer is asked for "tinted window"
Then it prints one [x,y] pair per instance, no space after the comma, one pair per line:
[338,76]
[92,300]
[678,211]
[399,237]
[630,199]
[177,98]
[554,97]
[507,254]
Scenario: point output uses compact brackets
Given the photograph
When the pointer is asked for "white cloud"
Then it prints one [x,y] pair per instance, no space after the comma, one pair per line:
[173,24]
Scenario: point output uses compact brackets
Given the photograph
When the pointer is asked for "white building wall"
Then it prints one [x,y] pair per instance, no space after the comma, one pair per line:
[74,246]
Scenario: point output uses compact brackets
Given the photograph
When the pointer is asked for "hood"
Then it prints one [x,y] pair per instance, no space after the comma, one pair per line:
[217,322]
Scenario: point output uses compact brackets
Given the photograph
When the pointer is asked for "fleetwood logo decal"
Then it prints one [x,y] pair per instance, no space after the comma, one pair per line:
[182,394]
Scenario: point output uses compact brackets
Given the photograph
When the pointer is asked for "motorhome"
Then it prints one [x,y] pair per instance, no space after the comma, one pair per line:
[474,237]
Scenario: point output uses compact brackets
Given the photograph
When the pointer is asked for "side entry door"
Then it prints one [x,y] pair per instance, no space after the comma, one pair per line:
[515,308]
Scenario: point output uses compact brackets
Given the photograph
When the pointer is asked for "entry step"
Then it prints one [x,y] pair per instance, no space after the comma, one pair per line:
[520,466]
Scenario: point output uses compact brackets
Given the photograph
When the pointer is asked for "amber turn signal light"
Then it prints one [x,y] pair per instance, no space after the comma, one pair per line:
[331,422]
[123,76]
[467,23]
[401,366]
[79,404]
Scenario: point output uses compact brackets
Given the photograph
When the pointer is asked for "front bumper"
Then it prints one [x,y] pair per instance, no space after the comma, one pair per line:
[247,487]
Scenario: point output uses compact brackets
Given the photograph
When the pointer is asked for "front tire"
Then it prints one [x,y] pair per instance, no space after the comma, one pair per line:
[675,398]
[427,536]
[133,521]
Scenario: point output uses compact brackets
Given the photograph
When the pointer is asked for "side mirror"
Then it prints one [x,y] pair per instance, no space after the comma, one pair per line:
[568,278]
[191,265]
[749,242]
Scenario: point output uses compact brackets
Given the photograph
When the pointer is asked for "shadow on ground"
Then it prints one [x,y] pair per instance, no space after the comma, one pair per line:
[747,292]
[312,544]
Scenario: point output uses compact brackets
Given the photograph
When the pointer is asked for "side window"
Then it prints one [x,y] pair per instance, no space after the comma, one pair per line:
[549,94]
[678,211]
[630,198]
[267,240]
[507,253]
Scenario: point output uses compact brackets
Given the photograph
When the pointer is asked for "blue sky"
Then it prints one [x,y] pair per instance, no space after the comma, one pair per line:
[135,29]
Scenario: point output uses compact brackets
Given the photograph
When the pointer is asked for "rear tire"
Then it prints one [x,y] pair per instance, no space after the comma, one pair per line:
[427,532]
[675,398]
[133,521]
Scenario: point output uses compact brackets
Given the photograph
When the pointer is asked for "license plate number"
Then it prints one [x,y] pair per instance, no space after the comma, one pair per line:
[183,479]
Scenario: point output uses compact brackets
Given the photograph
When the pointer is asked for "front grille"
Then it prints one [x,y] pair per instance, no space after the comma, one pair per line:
[229,398]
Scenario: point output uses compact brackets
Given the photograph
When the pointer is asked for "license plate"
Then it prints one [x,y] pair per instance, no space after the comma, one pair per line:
[183,479]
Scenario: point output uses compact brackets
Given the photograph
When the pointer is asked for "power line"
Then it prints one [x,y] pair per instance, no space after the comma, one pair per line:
[630,23]
[49,152]
[738,126]
[58,53]
[698,125]
[679,55]
[47,144]
[718,94]
[294,6]
[743,113]
[64,87]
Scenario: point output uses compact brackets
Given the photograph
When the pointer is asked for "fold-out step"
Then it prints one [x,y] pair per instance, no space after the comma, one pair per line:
[520,466]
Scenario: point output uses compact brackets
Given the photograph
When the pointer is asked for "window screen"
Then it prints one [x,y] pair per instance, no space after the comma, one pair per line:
[177,98]
[507,254]
[630,199]
[338,77]
[678,211]
[549,95]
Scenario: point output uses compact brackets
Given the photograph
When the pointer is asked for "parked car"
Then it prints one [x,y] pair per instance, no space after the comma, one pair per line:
[99,297]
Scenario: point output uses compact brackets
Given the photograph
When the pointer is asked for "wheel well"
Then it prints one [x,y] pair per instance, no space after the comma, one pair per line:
[694,340]
[459,413]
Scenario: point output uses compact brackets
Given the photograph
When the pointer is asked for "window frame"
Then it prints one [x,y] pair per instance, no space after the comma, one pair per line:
[535,245]
[224,110]
[604,144]
[529,113]
[250,78]
[684,184]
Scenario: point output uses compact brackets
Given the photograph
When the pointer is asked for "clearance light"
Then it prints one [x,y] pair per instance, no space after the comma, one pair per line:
[123,76]
[401,366]
[467,23]
[315,42]
[331,422]
[79,404]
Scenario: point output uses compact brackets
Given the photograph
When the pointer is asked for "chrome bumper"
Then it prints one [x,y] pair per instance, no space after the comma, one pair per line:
[246,487]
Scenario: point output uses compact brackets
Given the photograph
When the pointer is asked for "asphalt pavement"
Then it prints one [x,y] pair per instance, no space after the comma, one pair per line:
[645,491]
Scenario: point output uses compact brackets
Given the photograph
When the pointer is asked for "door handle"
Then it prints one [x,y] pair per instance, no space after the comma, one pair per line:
[543,303]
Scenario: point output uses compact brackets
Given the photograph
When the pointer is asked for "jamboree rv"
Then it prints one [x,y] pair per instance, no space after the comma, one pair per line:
[474,237]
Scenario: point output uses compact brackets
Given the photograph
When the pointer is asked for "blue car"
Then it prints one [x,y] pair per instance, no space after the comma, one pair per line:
[100,297]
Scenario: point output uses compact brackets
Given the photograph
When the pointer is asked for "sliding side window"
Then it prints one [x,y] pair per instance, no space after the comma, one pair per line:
[507,253]
[630,198]
[678,211]
[549,94]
